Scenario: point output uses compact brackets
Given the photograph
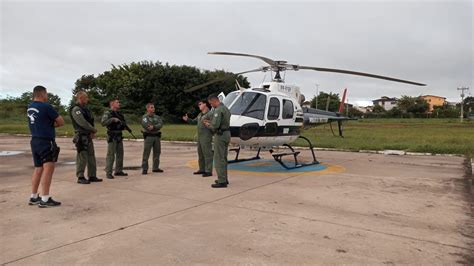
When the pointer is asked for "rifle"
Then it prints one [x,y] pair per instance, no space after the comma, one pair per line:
[127,128]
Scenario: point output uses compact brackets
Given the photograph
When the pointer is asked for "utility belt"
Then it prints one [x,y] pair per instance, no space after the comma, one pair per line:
[82,139]
[148,134]
[221,131]
[115,135]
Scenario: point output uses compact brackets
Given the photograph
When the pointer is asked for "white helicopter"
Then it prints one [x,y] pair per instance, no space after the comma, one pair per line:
[271,115]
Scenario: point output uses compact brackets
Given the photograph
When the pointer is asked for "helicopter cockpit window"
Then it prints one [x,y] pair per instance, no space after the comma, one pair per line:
[287,109]
[273,109]
[230,98]
[250,104]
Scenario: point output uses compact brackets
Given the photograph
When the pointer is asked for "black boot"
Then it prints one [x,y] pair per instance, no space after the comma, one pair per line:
[219,185]
[206,174]
[198,172]
[217,182]
[110,176]
[158,171]
[94,179]
[121,174]
[82,180]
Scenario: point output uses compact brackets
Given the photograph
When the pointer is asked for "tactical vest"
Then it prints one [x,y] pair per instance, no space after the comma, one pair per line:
[87,116]
[116,126]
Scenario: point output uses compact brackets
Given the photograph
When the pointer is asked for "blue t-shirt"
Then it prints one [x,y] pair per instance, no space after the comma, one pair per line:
[41,118]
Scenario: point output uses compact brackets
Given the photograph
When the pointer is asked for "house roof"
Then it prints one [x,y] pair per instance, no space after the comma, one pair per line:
[385,98]
[428,95]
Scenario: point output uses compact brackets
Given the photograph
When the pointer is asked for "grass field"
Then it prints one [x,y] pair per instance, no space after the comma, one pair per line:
[416,135]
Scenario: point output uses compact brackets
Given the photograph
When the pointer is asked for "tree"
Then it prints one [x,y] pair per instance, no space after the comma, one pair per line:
[353,112]
[16,106]
[139,83]
[322,99]
[378,109]
[412,105]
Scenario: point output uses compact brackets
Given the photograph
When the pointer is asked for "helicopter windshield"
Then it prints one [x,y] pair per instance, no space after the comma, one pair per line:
[250,104]
[230,98]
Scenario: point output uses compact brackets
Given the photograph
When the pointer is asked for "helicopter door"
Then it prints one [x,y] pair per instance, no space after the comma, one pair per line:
[287,116]
[273,115]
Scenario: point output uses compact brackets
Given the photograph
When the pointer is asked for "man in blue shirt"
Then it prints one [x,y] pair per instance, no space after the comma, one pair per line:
[42,120]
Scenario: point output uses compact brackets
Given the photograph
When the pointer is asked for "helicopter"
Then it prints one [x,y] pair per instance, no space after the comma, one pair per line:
[271,115]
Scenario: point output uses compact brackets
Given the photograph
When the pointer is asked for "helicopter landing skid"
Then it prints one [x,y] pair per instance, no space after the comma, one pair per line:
[279,156]
[237,160]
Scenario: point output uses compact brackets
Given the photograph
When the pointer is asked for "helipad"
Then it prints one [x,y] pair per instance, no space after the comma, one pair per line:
[269,166]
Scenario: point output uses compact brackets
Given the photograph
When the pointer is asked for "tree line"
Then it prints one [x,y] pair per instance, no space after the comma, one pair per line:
[139,83]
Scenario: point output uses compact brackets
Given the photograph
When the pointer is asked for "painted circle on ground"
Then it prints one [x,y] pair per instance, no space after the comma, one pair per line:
[264,166]
[10,153]
[271,167]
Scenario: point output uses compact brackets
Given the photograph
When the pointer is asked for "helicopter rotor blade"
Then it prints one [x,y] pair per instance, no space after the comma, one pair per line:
[297,67]
[195,88]
[264,59]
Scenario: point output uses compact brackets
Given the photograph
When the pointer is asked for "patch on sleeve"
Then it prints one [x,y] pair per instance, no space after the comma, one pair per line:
[144,119]
[216,115]
[78,112]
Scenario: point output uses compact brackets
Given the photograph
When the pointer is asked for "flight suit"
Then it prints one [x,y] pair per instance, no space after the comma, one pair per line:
[204,142]
[152,140]
[114,141]
[83,123]
[220,124]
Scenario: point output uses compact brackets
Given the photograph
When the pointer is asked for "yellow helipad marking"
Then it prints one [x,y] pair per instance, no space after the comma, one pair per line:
[331,169]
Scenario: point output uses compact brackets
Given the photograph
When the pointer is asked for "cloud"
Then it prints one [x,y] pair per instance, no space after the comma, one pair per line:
[53,43]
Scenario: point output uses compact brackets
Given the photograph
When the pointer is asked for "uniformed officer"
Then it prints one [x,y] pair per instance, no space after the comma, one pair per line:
[220,125]
[42,120]
[115,123]
[204,136]
[83,123]
[152,125]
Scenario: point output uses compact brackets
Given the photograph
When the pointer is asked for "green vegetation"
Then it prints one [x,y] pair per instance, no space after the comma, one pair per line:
[137,84]
[416,135]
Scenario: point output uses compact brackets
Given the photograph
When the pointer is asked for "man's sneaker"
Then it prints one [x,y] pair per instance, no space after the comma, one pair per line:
[82,180]
[121,174]
[95,179]
[34,201]
[49,203]
[109,176]
[158,171]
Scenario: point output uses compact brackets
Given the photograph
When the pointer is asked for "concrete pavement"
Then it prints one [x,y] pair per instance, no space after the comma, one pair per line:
[380,209]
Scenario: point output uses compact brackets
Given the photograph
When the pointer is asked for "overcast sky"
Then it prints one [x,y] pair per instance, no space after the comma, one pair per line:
[54,43]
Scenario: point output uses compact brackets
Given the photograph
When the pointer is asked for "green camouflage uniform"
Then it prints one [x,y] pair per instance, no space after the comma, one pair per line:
[83,122]
[152,140]
[114,141]
[220,124]
[204,142]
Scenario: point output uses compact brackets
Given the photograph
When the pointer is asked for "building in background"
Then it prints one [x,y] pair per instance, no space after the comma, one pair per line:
[434,100]
[386,102]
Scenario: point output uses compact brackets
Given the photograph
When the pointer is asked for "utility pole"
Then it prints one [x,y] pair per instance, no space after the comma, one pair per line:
[462,89]
[327,102]
[317,94]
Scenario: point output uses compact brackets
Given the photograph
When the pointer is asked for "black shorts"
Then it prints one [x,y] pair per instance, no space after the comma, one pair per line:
[43,150]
